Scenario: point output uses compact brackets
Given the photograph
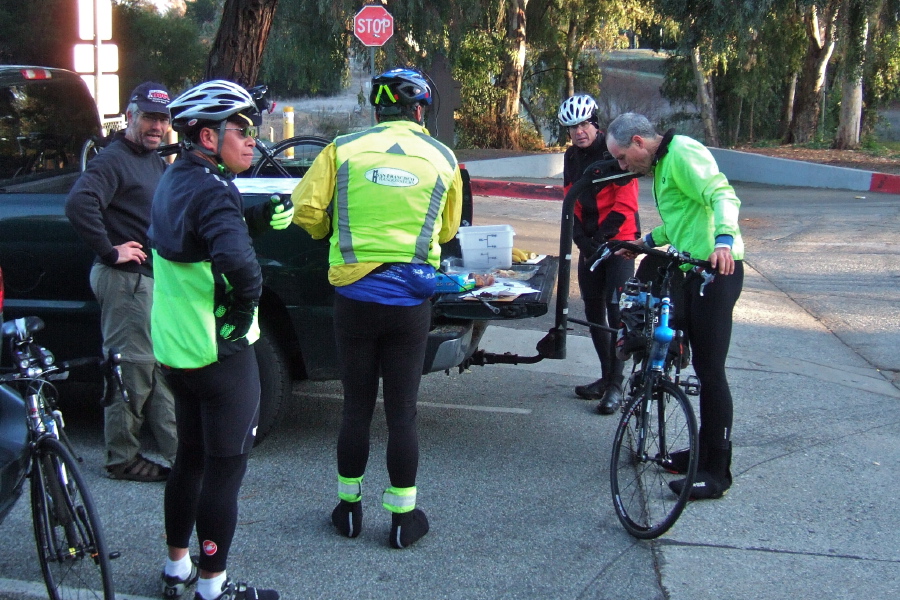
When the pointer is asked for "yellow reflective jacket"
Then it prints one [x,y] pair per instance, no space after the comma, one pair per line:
[389,194]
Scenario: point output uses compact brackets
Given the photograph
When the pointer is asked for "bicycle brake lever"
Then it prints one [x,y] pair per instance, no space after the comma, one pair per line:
[707,279]
[604,254]
[113,379]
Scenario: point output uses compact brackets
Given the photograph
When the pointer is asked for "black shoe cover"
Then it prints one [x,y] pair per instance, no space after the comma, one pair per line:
[706,487]
[347,517]
[407,528]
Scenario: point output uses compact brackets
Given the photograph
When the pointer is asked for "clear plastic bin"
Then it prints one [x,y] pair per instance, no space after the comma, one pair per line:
[486,246]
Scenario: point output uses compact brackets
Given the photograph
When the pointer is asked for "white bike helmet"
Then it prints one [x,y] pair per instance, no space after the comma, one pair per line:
[212,102]
[577,109]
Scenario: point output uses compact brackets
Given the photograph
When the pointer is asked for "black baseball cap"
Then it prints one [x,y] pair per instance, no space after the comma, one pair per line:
[151,97]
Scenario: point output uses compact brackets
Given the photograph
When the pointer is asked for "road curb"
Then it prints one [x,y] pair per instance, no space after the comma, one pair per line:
[493,177]
[513,189]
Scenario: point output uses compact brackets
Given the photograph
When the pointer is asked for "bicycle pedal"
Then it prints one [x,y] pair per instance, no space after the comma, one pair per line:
[691,385]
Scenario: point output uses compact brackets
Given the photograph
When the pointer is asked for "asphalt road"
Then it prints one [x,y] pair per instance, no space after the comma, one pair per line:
[514,472]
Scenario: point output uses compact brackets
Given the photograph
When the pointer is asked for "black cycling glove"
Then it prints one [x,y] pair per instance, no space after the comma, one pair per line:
[281,211]
[237,317]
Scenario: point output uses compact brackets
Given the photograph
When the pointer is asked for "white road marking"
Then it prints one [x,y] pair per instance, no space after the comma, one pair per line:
[491,409]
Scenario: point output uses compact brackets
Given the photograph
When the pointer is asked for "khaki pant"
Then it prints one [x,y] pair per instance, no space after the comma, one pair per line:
[125,300]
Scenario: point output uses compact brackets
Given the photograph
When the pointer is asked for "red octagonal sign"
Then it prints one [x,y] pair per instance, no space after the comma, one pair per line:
[373,25]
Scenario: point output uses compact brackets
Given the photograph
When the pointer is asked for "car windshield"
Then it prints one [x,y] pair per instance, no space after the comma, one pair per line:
[43,124]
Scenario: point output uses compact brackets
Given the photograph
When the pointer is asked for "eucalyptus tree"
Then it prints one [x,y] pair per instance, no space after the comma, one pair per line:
[565,39]
[864,63]
[237,51]
[712,36]
[821,21]
[882,77]
[854,25]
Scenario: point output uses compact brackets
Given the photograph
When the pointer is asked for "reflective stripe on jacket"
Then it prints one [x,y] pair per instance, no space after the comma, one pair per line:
[391,187]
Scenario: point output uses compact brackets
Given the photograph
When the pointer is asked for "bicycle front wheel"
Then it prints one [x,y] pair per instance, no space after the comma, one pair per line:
[70,543]
[642,447]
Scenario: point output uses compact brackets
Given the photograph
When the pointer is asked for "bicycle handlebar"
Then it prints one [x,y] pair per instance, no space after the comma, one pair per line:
[34,362]
[672,255]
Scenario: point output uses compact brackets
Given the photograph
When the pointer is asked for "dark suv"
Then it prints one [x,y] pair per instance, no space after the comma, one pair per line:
[46,115]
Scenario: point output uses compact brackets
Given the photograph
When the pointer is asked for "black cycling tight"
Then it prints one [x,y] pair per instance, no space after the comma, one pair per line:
[377,339]
[709,322]
[600,290]
[205,489]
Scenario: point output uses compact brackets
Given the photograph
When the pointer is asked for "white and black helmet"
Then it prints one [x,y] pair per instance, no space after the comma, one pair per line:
[577,109]
[211,102]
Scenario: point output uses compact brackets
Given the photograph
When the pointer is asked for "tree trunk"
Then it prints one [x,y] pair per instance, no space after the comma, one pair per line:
[807,104]
[736,132]
[847,135]
[531,116]
[705,99]
[569,57]
[511,77]
[850,121]
[788,115]
[237,51]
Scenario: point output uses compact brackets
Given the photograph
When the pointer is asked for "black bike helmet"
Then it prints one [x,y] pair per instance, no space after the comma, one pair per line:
[398,88]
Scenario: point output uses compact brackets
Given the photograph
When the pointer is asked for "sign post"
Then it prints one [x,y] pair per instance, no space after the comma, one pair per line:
[373,25]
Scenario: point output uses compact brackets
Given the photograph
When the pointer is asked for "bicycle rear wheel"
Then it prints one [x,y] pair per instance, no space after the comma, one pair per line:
[70,543]
[295,155]
[644,440]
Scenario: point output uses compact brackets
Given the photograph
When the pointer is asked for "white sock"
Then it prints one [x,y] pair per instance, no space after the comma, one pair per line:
[210,589]
[179,568]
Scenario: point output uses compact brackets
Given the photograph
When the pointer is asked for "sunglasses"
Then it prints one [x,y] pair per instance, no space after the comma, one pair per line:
[245,131]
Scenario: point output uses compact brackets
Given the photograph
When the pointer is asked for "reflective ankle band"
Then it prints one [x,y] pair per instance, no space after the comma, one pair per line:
[350,488]
[399,500]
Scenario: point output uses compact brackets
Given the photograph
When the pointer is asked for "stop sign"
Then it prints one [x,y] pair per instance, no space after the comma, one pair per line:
[373,25]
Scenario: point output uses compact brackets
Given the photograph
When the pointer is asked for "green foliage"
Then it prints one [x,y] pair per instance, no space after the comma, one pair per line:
[883,65]
[479,61]
[205,12]
[750,81]
[156,47]
[306,54]
[38,32]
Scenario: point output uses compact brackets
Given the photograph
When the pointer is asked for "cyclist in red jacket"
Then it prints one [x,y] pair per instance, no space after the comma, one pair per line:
[603,212]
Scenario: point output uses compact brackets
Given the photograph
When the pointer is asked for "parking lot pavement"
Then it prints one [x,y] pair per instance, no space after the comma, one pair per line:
[514,473]
[514,478]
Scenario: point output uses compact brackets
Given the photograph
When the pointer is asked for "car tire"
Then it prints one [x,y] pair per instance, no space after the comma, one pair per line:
[275,383]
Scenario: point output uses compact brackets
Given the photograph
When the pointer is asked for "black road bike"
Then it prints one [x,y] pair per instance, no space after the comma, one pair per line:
[72,550]
[658,421]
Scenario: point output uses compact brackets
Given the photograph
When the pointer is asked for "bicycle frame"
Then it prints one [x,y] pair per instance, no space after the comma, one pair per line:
[71,547]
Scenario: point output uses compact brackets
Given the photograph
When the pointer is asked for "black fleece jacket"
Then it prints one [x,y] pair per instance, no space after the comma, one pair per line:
[110,203]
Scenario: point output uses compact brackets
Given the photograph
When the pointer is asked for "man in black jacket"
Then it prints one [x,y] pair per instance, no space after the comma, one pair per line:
[109,207]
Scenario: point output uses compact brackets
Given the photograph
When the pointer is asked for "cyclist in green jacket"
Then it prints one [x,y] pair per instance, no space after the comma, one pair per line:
[699,212]
[204,323]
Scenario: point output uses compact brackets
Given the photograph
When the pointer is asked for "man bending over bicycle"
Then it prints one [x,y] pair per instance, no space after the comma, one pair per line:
[699,212]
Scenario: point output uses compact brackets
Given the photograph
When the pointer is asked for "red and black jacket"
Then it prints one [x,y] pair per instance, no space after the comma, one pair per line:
[604,211]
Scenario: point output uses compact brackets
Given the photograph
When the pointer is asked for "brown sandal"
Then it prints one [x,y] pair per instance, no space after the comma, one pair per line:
[139,469]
